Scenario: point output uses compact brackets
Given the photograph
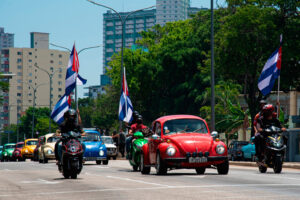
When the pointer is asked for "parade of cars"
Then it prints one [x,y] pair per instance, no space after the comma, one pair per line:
[46,149]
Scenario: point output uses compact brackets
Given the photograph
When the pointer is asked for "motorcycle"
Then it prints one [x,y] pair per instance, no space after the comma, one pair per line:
[72,155]
[136,149]
[274,150]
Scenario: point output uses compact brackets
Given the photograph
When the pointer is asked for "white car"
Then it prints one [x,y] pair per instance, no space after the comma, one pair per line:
[112,151]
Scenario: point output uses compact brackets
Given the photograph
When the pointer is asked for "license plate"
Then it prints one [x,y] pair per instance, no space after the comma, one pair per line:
[197,159]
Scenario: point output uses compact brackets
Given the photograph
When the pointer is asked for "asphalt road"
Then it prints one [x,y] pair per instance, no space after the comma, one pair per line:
[31,180]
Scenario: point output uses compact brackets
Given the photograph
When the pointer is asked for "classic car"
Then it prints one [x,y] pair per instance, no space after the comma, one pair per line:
[28,148]
[17,152]
[94,148]
[112,151]
[183,141]
[249,150]
[7,151]
[46,151]
[38,148]
[235,150]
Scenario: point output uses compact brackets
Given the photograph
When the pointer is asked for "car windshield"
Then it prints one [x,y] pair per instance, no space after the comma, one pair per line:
[32,142]
[89,137]
[20,145]
[52,139]
[12,146]
[107,140]
[184,126]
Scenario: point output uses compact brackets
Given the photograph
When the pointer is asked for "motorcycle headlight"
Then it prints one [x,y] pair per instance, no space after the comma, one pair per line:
[279,142]
[170,151]
[220,149]
[101,153]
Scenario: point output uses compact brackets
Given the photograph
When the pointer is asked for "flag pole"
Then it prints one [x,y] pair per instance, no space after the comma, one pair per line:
[278,89]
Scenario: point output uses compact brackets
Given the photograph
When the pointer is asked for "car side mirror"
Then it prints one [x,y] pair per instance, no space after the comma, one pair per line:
[214,134]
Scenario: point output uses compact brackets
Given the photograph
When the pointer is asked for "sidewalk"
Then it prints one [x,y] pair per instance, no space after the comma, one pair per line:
[293,165]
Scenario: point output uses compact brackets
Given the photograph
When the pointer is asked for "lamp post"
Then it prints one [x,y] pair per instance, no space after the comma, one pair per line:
[212,65]
[50,90]
[33,104]
[81,50]
[123,20]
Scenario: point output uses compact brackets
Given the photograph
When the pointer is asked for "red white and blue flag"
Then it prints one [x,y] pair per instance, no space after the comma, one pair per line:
[72,78]
[125,106]
[270,72]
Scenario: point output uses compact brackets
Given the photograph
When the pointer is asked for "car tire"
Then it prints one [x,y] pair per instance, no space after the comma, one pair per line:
[143,168]
[105,162]
[200,170]
[98,162]
[160,165]
[45,160]
[223,168]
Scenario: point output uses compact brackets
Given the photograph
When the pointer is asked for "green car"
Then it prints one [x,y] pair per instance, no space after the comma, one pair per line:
[1,148]
[7,151]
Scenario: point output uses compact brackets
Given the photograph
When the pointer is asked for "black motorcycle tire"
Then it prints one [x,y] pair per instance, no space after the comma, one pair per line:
[223,168]
[262,169]
[200,170]
[143,168]
[66,174]
[277,165]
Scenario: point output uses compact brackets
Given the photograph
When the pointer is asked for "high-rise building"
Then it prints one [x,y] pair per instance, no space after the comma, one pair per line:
[112,31]
[171,10]
[39,40]
[6,39]
[22,62]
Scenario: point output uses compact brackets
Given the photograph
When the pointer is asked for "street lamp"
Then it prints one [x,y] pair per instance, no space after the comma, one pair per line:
[212,65]
[50,93]
[87,48]
[33,105]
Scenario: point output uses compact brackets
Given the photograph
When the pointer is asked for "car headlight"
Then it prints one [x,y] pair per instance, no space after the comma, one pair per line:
[26,150]
[170,151]
[220,149]
[101,153]
[49,151]
[5,154]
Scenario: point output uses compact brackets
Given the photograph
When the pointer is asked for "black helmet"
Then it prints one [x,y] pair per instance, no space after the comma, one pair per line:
[262,102]
[70,115]
[135,113]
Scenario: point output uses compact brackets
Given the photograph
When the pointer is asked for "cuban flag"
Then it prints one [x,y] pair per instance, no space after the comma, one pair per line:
[59,109]
[72,76]
[270,72]
[125,106]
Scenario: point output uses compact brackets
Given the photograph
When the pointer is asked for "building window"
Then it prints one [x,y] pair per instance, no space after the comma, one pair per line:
[19,88]
[19,94]
[29,60]
[30,74]
[59,82]
[60,62]
[30,53]
[19,53]
[59,55]
[19,60]
[59,76]
[30,81]
[51,54]
[30,94]
[59,89]
[59,96]
[19,67]
[19,73]
[19,81]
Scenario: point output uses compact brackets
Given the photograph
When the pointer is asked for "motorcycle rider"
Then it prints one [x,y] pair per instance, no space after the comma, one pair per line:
[262,103]
[266,120]
[134,128]
[69,124]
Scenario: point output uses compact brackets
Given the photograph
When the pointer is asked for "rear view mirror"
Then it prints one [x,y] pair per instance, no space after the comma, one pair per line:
[214,134]
[155,137]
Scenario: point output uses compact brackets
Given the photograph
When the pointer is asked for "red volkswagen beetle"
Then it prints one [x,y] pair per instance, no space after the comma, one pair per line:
[183,141]
[17,152]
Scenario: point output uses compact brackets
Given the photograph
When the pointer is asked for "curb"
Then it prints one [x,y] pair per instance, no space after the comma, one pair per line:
[253,164]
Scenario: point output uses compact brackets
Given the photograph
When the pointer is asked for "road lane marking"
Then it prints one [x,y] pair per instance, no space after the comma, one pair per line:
[195,176]
[138,181]
[40,181]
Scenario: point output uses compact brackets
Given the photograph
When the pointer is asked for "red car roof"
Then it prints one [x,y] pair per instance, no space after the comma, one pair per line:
[171,117]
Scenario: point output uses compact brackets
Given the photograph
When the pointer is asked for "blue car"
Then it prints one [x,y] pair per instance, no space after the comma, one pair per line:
[94,148]
[249,150]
